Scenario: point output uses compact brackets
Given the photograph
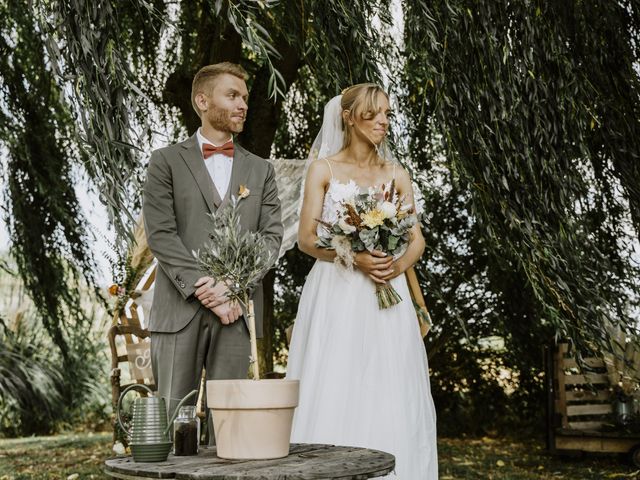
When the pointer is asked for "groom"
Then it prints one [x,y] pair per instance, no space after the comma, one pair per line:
[193,325]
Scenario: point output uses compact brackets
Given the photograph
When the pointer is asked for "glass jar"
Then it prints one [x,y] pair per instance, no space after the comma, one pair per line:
[186,432]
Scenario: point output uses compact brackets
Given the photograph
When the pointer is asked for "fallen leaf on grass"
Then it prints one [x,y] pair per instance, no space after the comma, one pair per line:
[500,463]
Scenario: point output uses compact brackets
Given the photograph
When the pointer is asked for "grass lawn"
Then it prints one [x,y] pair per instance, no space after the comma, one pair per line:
[80,456]
[56,457]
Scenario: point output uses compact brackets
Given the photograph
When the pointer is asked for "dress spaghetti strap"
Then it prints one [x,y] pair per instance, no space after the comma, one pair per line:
[330,169]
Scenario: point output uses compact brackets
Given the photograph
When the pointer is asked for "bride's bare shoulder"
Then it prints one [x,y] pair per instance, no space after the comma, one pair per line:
[319,171]
[402,178]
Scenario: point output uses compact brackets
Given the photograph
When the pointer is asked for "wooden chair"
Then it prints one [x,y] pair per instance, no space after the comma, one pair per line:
[130,351]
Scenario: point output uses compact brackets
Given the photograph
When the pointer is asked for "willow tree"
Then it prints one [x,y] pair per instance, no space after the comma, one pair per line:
[537,105]
[122,70]
[49,239]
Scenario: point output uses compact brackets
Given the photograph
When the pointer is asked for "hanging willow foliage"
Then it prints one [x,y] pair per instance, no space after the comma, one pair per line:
[520,98]
[116,65]
[48,236]
[93,49]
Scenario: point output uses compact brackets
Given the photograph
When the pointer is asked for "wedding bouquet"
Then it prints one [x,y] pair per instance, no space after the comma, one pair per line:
[373,220]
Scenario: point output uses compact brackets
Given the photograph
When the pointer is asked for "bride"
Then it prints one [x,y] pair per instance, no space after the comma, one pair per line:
[363,371]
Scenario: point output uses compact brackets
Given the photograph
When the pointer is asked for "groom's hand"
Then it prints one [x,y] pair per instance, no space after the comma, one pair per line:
[228,312]
[210,293]
[376,264]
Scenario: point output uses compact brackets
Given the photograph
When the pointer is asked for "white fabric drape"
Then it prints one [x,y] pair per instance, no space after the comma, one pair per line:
[289,177]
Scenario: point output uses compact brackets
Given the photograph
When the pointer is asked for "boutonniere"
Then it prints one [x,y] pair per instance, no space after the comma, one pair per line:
[243,192]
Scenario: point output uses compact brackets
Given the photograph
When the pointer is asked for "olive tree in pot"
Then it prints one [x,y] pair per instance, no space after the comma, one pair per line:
[252,417]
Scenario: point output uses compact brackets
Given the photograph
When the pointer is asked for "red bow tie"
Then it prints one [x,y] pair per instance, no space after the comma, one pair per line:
[226,149]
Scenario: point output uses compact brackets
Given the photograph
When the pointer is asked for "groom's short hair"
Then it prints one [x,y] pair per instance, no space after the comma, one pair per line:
[204,80]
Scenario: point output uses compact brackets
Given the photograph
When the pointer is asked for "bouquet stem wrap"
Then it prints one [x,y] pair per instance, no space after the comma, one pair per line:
[387,296]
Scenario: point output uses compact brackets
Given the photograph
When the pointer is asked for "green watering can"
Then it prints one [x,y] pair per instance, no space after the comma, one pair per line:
[149,432]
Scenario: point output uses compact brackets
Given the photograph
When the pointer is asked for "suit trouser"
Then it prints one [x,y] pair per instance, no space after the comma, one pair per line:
[177,359]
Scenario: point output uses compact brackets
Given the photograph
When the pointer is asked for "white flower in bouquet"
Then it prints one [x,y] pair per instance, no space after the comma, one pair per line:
[388,209]
[350,201]
[346,227]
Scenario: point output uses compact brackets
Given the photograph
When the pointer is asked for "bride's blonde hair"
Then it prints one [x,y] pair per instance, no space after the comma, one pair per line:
[360,99]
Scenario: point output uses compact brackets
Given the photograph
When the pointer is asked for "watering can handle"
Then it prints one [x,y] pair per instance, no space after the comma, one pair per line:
[124,392]
[175,412]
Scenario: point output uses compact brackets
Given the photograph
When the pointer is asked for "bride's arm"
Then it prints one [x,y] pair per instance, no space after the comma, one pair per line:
[317,179]
[416,244]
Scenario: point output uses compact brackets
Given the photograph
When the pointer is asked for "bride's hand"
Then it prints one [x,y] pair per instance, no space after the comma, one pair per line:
[376,264]
[392,272]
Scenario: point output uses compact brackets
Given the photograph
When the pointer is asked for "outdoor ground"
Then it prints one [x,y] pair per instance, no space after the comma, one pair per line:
[80,457]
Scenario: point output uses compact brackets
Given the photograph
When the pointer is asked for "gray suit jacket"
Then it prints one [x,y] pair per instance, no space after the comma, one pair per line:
[178,194]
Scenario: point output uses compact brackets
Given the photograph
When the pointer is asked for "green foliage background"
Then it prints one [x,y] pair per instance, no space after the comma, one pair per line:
[519,120]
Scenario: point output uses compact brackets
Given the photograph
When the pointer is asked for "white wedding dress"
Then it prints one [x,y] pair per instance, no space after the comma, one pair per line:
[363,372]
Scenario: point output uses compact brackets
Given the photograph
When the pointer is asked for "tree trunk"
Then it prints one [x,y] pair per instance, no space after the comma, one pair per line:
[265,344]
[259,132]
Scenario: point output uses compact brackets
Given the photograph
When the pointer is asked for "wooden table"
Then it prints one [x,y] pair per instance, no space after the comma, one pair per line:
[304,462]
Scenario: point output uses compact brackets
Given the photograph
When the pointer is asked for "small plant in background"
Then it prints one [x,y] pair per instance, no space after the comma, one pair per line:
[31,382]
[127,276]
[45,390]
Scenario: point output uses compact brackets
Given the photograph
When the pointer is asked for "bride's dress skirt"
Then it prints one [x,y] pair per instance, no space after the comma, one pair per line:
[364,378]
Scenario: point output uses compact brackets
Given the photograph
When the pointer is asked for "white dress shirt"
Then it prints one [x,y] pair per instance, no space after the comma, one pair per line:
[218,165]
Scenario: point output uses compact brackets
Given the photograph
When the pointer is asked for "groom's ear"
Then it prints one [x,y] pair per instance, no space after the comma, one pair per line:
[201,102]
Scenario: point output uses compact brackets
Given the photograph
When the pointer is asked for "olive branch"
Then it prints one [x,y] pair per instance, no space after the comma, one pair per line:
[239,258]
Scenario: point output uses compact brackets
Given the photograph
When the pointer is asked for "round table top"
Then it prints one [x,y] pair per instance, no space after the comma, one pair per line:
[305,461]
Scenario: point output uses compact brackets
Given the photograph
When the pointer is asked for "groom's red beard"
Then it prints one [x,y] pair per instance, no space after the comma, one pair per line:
[225,121]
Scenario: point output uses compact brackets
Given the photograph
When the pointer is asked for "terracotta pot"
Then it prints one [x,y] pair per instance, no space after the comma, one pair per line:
[252,418]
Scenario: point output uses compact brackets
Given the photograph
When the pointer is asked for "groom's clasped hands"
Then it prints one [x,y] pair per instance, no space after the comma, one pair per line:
[213,295]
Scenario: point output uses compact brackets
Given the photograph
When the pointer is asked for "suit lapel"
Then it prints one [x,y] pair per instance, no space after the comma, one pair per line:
[239,173]
[193,158]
